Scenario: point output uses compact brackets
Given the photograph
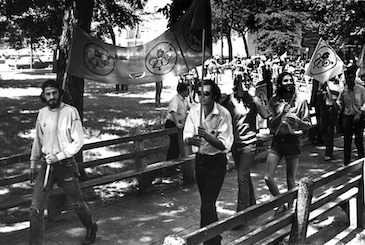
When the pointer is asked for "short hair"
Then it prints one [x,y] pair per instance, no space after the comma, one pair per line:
[53,84]
[216,92]
[182,87]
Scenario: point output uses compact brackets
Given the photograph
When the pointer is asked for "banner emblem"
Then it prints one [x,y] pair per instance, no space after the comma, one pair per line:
[98,60]
[324,61]
[161,59]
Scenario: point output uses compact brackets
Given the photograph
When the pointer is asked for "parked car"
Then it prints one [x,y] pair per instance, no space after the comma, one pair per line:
[24,63]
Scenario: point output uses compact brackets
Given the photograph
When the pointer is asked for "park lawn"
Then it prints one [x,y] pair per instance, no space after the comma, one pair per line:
[107,114]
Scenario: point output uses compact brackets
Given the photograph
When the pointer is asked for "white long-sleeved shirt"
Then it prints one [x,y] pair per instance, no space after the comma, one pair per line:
[65,141]
[218,124]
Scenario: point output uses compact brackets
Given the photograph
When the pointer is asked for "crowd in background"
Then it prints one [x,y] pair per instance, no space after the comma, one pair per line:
[339,107]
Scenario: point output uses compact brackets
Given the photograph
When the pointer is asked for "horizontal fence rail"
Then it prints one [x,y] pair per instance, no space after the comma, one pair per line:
[135,169]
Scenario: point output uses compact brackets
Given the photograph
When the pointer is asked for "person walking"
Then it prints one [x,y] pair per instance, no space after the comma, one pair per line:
[244,109]
[208,128]
[352,102]
[267,77]
[314,133]
[159,86]
[58,138]
[178,109]
[289,117]
[329,113]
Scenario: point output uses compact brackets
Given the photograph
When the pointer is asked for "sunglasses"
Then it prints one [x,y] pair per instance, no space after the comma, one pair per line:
[288,80]
[206,93]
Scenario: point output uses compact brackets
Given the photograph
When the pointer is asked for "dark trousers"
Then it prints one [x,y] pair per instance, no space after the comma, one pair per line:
[66,176]
[328,120]
[350,128]
[173,152]
[210,172]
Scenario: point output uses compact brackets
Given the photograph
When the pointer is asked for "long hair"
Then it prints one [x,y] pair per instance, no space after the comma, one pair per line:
[242,78]
[280,88]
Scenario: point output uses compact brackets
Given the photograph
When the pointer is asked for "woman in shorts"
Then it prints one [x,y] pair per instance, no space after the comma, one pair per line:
[289,117]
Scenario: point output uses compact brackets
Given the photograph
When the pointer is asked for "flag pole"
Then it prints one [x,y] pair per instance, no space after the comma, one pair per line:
[290,103]
[202,79]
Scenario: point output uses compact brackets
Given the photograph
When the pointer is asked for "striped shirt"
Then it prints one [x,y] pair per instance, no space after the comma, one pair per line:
[243,119]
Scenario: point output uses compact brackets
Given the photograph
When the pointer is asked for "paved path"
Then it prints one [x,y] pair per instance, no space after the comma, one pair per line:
[171,208]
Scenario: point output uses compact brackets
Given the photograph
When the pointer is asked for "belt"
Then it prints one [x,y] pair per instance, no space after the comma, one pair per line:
[66,160]
[285,137]
[211,156]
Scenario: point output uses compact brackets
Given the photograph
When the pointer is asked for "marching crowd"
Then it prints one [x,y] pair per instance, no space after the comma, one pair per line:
[227,123]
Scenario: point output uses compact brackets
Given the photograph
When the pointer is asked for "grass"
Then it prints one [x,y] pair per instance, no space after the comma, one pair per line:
[107,114]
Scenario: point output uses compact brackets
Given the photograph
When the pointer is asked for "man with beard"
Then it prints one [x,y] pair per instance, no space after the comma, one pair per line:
[244,109]
[59,136]
[289,117]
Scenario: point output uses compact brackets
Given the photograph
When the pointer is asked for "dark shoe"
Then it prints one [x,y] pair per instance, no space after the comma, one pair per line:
[90,235]
[280,210]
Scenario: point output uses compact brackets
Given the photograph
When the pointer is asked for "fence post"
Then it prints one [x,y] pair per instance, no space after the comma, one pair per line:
[360,198]
[187,168]
[174,240]
[144,181]
[298,232]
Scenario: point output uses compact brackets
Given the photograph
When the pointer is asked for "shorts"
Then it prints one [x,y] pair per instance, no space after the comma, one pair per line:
[285,145]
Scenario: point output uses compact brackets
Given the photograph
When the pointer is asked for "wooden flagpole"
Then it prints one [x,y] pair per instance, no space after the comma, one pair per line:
[202,79]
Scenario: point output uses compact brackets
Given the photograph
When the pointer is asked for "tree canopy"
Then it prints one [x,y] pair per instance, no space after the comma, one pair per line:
[35,21]
[279,24]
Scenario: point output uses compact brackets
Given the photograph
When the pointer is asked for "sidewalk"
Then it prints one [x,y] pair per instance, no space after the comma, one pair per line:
[172,209]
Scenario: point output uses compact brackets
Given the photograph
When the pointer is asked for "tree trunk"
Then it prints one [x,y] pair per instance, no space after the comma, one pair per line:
[76,12]
[243,34]
[230,48]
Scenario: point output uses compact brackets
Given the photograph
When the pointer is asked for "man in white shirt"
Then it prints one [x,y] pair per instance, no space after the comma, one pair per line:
[210,133]
[178,109]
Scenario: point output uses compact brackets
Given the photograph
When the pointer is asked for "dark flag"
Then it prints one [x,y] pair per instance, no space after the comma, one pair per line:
[202,19]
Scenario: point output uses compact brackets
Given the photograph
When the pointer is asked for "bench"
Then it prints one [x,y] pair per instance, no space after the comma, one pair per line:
[344,187]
